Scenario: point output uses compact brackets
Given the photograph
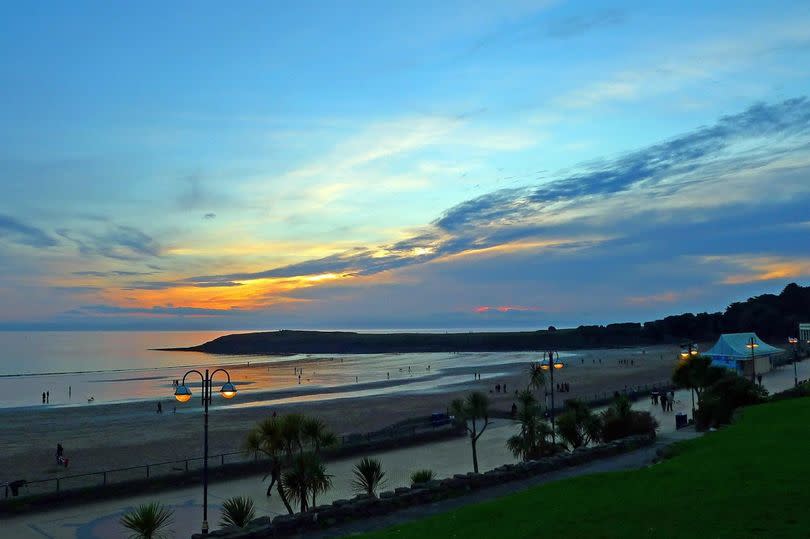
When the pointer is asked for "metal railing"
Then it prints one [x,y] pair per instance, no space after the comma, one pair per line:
[102,478]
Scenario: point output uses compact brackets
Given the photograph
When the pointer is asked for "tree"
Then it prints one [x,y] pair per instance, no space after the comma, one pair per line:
[315,433]
[305,478]
[368,476]
[696,373]
[293,443]
[577,425]
[237,511]
[472,410]
[148,521]
[537,377]
[532,441]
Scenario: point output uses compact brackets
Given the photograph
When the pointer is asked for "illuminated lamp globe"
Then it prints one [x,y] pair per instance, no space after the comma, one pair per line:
[182,393]
[228,390]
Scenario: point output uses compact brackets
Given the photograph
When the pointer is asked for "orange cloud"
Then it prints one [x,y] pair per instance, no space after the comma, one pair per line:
[505,309]
[762,268]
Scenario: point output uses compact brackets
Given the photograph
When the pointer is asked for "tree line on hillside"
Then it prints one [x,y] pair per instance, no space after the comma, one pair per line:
[772,317]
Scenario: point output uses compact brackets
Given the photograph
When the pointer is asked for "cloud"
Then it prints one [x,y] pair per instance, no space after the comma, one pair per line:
[102,309]
[580,24]
[753,268]
[571,212]
[23,234]
[117,242]
[663,297]
[503,309]
[117,273]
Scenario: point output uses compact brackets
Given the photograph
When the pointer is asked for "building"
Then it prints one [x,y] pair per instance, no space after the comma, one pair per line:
[733,351]
[804,334]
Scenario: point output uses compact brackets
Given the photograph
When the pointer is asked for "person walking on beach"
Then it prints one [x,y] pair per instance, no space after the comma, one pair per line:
[60,453]
[70,391]
[47,396]
[43,397]
[159,408]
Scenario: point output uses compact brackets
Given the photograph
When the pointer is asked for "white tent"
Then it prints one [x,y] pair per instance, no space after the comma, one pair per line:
[734,351]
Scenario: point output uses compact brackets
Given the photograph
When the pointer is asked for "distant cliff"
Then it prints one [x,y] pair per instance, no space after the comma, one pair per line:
[773,317]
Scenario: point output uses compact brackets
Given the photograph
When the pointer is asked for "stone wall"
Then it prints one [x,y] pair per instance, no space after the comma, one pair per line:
[364,506]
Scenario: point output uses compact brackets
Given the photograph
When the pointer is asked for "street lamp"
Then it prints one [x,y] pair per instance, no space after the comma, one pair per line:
[794,341]
[752,345]
[551,364]
[690,350]
[183,394]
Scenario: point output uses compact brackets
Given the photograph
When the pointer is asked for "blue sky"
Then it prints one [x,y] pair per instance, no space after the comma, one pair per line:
[370,164]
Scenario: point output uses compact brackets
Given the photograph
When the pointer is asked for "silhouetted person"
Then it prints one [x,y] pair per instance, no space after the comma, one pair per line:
[759,379]
[159,408]
[60,453]
[47,396]
[43,397]
[70,391]
[663,403]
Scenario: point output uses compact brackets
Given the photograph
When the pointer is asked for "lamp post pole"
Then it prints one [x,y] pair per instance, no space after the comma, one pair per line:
[183,394]
[687,352]
[551,370]
[550,365]
[794,341]
[752,344]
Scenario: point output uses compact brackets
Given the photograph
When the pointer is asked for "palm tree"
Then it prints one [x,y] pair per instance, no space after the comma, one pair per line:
[314,431]
[532,440]
[577,425]
[368,476]
[306,477]
[267,438]
[537,376]
[285,441]
[471,410]
[148,521]
[422,476]
[237,511]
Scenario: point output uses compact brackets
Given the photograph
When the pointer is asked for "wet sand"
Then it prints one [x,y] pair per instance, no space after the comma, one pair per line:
[128,434]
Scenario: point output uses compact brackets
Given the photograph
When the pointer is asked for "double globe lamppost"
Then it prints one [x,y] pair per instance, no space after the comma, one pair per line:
[794,342]
[183,394]
[551,362]
[688,351]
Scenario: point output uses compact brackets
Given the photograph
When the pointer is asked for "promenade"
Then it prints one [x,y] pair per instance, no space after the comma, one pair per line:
[99,520]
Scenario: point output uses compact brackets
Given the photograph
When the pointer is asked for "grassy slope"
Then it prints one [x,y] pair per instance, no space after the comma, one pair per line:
[750,480]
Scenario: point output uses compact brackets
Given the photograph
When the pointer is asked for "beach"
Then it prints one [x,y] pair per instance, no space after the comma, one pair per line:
[103,436]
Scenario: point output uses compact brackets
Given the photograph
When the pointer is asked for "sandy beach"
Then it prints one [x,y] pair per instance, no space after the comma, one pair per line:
[99,437]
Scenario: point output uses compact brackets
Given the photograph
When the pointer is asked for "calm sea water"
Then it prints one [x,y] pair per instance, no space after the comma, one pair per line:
[88,368]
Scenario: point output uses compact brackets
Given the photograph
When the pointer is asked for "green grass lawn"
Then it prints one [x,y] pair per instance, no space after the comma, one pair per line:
[749,480]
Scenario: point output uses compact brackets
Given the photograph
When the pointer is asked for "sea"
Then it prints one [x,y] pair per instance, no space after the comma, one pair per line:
[90,368]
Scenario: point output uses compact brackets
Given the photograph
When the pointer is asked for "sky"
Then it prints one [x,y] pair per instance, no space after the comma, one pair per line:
[370,165]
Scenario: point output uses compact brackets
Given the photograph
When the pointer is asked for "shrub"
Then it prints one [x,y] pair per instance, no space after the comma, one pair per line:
[237,511]
[148,521]
[422,476]
[619,421]
[718,402]
[368,476]
[577,425]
